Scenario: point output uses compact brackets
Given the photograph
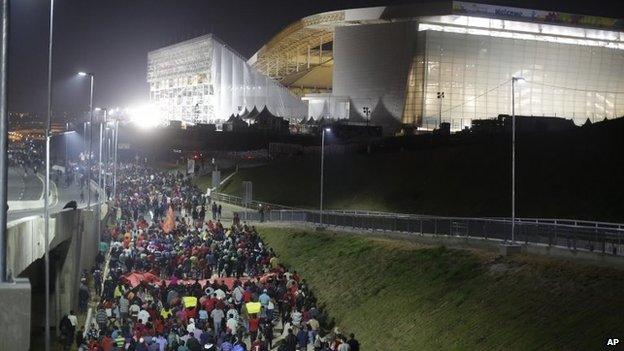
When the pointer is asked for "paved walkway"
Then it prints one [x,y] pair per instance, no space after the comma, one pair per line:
[65,195]
[23,187]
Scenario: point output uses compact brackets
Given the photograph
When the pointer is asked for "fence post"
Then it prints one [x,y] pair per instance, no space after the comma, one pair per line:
[484,233]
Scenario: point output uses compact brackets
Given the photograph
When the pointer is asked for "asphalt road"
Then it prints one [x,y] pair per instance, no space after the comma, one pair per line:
[65,194]
[23,187]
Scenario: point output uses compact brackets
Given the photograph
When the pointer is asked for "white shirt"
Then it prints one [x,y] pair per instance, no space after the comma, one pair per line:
[134,309]
[143,316]
[73,320]
[232,324]
[220,294]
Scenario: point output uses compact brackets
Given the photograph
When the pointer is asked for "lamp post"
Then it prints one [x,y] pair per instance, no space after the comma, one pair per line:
[440,97]
[322,169]
[100,170]
[115,159]
[65,139]
[91,78]
[513,156]
[46,186]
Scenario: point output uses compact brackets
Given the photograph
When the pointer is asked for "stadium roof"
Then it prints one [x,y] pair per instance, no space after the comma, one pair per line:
[300,56]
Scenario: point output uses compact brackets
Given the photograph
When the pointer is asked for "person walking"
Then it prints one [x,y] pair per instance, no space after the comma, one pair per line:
[353,343]
[217,316]
[290,341]
[214,210]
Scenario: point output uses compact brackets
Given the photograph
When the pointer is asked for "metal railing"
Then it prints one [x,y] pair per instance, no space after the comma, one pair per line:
[237,201]
[601,237]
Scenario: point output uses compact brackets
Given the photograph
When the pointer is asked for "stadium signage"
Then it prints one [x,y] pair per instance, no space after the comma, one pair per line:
[469,8]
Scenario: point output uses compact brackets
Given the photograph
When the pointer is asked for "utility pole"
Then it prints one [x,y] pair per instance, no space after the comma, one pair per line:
[4,137]
[46,188]
[513,156]
[440,97]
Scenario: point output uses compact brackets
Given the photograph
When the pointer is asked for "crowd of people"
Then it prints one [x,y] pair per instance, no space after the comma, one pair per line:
[178,280]
[28,158]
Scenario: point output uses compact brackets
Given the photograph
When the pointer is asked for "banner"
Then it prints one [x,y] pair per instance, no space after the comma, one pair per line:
[253,307]
[520,14]
[189,301]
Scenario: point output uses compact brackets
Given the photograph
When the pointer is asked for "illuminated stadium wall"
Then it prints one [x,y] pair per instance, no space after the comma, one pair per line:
[370,67]
[474,72]
[397,70]
[204,81]
[394,60]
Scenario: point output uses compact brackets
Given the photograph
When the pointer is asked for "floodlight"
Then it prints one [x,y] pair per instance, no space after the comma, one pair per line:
[145,116]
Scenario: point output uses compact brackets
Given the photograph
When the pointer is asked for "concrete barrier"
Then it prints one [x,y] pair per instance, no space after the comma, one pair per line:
[19,205]
[73,247]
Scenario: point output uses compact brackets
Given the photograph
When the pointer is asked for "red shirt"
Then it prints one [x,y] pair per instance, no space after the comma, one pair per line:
[253,324]
[247,296]
[107,343]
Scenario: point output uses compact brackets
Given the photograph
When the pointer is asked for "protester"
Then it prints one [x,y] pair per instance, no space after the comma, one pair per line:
[179,280]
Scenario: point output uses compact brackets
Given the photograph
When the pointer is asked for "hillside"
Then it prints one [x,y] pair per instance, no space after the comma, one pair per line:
[574,174]
[396,295]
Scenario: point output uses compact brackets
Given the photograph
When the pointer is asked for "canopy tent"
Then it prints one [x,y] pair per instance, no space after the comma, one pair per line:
[265,116]
[244,114]
[252,114]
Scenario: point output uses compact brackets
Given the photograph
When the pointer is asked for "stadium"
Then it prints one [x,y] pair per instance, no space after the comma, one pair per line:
[414,65]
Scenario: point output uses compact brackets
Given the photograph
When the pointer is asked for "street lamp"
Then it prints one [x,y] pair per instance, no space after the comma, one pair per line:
[440,97]
[91,78]
[99,202]
[328,130]
[513,155]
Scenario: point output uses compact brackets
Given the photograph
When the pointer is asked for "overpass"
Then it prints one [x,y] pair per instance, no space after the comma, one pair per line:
[73,247]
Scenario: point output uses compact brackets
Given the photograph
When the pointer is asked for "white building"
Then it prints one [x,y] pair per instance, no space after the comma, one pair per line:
[204,81]
[394,61]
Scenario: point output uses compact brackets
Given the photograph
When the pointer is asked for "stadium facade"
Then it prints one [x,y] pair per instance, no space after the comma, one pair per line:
[404,65]
[412,64]
[202,80]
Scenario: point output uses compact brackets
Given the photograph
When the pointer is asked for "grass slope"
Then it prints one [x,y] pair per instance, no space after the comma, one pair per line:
[570,175]
[396,295]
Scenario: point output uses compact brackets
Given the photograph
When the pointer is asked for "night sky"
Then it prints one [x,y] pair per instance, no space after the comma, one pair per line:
[111,38]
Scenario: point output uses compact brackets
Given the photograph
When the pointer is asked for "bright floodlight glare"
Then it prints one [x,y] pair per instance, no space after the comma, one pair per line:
[82,74]
[146,116]
[328,130]
[97,109]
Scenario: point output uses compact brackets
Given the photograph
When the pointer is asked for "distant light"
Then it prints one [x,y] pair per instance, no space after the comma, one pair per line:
[97,109]
[328,130]
[83,74]
[146,116]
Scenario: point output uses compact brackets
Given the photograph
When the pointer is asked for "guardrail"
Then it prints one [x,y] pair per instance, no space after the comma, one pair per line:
[575,235]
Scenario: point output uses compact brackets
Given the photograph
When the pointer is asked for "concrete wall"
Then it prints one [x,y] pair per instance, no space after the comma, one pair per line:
[73,247]
[371,66]
[15,315]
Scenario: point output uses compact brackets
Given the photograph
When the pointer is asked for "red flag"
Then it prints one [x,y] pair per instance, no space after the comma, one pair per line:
[169,224]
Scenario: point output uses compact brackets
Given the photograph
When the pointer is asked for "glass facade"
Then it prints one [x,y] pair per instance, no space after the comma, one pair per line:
[474,72]
[204,81]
